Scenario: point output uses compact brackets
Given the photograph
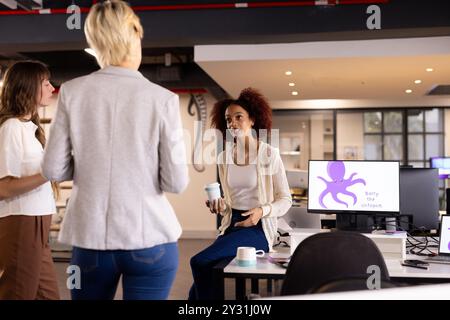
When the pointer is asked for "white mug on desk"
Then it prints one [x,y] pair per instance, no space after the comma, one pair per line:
[246,256]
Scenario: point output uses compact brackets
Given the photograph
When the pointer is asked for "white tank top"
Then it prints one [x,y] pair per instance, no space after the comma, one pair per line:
[243,184]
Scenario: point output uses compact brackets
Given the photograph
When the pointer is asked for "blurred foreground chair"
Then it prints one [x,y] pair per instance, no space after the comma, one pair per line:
[335,261]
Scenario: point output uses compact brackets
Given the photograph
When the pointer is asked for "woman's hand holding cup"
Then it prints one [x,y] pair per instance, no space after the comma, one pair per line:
[216,206]
[215,202]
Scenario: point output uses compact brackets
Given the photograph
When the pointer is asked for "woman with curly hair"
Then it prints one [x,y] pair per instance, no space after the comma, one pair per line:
[254,184]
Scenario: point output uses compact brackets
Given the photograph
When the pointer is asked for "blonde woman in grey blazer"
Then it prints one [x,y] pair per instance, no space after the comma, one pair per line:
[119,137]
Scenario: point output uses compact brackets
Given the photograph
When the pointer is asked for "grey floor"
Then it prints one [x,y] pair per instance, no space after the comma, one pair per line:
[183,280]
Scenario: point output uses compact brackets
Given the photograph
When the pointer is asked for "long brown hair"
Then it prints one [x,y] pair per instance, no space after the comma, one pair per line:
[20,94]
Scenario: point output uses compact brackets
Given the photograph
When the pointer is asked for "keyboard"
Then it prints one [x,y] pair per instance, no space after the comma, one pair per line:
[438,259]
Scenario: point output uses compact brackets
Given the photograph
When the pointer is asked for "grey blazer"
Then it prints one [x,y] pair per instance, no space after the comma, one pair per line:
[119,137]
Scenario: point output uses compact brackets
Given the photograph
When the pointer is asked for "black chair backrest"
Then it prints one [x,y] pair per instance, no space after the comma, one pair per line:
[330,256]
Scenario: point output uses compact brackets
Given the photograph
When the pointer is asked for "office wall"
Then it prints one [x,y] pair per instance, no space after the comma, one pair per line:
[350,135]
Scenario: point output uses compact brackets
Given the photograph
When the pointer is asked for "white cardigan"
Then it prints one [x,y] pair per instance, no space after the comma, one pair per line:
[273,189]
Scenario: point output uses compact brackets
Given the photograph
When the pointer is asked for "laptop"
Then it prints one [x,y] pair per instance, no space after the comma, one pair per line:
[298,217]
[444,243]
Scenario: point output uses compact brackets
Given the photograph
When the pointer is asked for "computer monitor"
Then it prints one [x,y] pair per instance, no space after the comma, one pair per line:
[442,164]
[354,187]
[419,197]
[297,178]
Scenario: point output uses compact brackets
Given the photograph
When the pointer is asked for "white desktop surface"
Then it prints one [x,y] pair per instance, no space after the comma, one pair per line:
[263,266]
[435,270]
[307,231]
[395,269]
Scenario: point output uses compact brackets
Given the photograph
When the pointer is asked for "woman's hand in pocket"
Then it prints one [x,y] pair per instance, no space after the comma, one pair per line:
[254,215]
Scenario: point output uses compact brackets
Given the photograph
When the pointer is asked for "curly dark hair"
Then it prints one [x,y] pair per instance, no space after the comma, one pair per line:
[253,102]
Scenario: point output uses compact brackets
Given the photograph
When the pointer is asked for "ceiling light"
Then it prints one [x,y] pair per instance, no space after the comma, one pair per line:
[429,69]
[417,81]
[294,93]
[288,73]
[91,51]
[291,84]
[408,90]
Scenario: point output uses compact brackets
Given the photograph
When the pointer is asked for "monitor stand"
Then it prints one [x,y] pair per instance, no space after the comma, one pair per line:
[355,222]
[364,223]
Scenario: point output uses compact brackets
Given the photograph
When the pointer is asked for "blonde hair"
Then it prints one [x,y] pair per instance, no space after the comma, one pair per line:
[111,29]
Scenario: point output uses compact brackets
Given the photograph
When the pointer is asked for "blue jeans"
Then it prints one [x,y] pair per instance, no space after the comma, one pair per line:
[147,274]
[224,247]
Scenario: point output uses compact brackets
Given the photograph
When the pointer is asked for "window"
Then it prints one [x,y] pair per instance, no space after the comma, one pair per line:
[410,136]
[383,135]
[425,136]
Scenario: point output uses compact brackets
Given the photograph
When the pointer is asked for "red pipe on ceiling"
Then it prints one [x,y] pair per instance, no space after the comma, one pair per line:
[200,6]
[177,91]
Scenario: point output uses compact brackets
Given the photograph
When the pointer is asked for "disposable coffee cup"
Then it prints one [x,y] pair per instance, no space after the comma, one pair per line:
[213,191]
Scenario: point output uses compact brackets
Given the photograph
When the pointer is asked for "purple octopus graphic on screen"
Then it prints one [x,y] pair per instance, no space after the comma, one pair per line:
[336,171]
[449,242]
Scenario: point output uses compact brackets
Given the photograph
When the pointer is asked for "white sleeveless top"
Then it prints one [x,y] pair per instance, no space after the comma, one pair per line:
[20,156]
[243,184]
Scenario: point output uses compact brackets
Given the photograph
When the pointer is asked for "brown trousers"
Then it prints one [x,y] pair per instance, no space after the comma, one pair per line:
[26,265]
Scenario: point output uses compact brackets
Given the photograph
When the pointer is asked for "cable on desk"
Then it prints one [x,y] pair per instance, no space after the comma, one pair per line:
[420,247]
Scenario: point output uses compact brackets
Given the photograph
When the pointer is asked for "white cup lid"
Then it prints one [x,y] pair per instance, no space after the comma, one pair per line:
[212,185]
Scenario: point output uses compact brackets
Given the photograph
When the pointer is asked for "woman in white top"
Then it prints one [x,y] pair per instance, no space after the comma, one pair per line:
[254,185]
[26,197]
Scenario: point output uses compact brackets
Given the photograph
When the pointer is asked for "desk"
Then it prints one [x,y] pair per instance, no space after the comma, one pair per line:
[264,269]
[436,273]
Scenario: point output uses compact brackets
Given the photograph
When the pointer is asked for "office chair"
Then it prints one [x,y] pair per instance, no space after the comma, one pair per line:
[332,256]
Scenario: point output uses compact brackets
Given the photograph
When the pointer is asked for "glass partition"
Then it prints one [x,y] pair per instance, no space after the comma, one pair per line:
[304,135]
